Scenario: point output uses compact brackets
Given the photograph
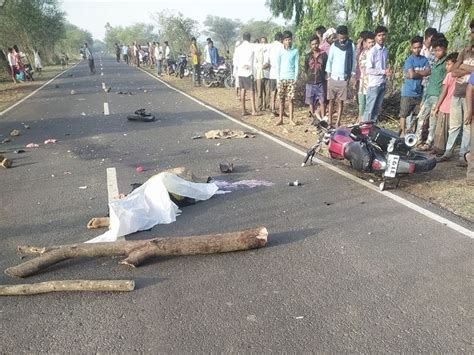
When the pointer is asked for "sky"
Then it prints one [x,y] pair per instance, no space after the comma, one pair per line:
[93,15]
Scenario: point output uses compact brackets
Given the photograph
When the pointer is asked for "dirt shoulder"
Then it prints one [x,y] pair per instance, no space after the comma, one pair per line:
[11,92]
[444,186]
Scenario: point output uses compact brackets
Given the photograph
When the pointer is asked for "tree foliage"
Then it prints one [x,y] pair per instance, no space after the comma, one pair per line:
[224,30]
[176,29]
[140,32]
[73,39]
[259,29]
[32,24]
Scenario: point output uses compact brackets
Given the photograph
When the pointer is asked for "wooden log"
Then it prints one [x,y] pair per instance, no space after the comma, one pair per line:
[68,285]
[137,252]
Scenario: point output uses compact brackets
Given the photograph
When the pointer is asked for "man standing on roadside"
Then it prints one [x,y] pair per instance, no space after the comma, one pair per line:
[377,70]
[287,73]
[275,47]
[159,59]
[90,58]
[151,50]
[125,53]
[196,59]
[12,62]
[340,67]
[245,60]
[262,72]
[315,69]
[167,55]
[117,52]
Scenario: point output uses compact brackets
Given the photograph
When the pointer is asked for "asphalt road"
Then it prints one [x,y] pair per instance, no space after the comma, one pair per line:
[346,269]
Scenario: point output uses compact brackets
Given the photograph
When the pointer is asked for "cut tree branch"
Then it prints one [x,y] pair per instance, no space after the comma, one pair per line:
[67,285]
[136,252]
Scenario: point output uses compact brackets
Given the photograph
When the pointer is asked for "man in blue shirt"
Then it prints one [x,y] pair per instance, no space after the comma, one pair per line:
[287,73]
[415,69]
[340,67]
[213,53]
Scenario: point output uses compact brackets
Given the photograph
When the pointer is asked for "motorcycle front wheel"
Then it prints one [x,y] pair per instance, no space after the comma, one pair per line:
[229,82]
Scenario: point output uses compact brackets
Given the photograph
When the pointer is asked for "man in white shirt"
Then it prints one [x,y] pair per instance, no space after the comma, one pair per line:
[245,61]
[12,62]
[234,71]
[167,54]
[90,58]
[207,53]
[275,47]
[159,58]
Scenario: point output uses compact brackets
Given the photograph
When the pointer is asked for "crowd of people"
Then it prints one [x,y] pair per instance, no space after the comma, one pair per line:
[20,69]
[436,96]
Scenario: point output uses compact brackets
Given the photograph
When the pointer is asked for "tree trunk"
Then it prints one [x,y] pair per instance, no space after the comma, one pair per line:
[138,251]
[68,285]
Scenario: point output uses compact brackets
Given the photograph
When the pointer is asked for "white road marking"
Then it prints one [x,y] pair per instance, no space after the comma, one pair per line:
[106,109]
[112,186]
[401,200]
[34,92]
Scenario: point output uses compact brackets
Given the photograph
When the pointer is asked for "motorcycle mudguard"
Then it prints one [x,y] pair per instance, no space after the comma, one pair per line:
[382,136]
[338,141]
[358,155]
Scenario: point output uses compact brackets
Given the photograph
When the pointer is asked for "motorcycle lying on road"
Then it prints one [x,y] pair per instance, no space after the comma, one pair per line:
[371,149]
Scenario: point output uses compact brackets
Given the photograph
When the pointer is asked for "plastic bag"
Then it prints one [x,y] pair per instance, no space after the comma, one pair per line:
[150,204]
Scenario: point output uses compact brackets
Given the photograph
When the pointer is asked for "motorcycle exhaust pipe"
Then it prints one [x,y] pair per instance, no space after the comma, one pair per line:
[410,140]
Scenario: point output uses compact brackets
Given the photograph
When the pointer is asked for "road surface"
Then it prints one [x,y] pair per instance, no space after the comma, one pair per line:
[346,269]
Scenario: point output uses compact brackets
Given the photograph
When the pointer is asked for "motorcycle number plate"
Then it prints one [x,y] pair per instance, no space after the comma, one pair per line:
[392,165]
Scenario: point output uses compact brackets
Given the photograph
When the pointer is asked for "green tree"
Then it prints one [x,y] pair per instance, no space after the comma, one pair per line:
[140,32]
[288,9]
[32,24]
[72,41]
[225,30]
[176,29]
[260,29]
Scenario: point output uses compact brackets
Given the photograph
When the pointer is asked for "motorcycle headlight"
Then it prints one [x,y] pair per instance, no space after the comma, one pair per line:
[410,140]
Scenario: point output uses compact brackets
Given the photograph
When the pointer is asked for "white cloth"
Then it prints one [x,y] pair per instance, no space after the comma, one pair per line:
[261,57]
[167,52]
[159,53]
[38,61]
[11,60]
[150,204]
[275,48]
[207,54]
[244,59]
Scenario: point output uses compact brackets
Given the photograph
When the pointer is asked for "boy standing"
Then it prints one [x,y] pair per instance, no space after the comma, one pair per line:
[275,47]
[340,67]
[432,93]
[315,67]
[415,69]
[443,107]
[287,73]
[368,41]
[461,71]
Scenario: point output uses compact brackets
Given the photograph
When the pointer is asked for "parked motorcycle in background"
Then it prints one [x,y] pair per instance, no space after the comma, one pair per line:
[216,76]
[182,66]
[371,149]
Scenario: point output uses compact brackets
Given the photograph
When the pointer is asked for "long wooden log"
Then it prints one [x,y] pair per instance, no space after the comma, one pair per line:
[68,285]
[138,251]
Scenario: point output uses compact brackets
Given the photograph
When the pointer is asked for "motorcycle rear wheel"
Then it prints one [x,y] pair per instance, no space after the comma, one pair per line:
[229,82]
[422,162]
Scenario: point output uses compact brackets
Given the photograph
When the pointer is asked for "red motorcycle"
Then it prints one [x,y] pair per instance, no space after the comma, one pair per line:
[371,149]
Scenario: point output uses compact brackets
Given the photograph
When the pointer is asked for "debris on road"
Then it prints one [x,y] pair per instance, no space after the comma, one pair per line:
[295,183]
[140,169]
[227,134]
[196,137]
[50,141]
[141,115]
[124,93]
[6,140]
[83,187]
[226,167]
[15,133]
[228,186]
[5,162]
[26,126]
[138,251]
[98,222]
[32,145]
[19,151]
[67,285]
[72,92]
[83,113]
